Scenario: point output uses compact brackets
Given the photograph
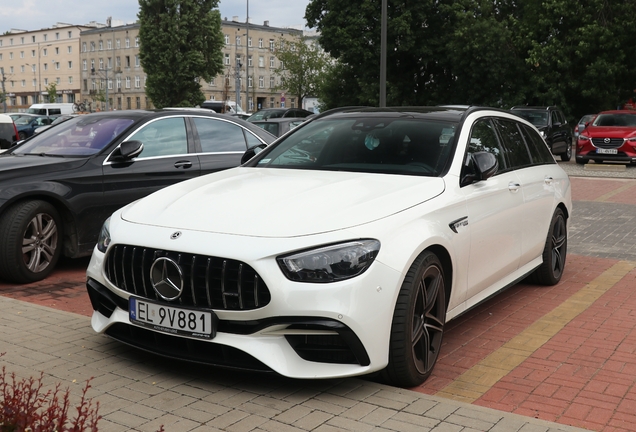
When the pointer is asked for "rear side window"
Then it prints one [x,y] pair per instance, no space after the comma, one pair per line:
[269,127]
[55,111]
[219,136]
[539,150]
[514,146]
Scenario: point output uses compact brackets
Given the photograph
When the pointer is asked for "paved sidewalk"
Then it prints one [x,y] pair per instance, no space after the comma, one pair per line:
[140,392]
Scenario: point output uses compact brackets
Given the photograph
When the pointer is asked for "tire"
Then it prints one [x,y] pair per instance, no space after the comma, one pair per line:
[554,252]
[418,323]
[30,241]
[21,136]
[565,157]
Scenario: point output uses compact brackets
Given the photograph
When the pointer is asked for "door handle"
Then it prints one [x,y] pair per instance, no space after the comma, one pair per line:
[513,186]
[548,180]
[183,164]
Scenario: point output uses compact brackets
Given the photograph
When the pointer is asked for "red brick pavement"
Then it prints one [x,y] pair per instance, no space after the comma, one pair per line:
[584,376]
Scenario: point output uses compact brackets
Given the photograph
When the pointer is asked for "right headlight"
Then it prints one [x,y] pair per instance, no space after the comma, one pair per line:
[104,237]
[330,263]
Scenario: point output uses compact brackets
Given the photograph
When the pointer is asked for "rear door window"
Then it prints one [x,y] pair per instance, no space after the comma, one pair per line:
[219,136]
[514,146]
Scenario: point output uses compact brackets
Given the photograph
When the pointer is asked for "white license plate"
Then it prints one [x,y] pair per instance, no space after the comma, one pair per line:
[174,320]
[606,151]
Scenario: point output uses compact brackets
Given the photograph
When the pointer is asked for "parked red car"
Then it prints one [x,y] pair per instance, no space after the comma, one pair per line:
[610,137]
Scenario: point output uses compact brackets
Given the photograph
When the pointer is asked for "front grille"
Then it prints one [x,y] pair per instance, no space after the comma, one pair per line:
[613,142]
[209,282]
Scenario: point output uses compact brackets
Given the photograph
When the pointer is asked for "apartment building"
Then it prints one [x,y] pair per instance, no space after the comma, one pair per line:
[99,65]
[30,61]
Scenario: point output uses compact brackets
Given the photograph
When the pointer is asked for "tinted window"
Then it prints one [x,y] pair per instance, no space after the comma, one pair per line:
[539,151]
[269,127]
[7,135]
[514,146]
[219,136]
[163,137]
[251,139]
[483,138]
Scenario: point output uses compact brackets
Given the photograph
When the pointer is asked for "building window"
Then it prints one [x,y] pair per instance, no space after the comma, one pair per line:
[21,54]
[227,39]
[46,66]
[227,59]
[46,82]
[57,50]
[127,42]
[84,64]
[137,61]
[92,65]
[101,45]
[117,43]
[271,62]
[44,52]
[57,65]
[260,42]
[138,102]
[137,41]
[92,46]
[272,82]
[70,64]
[101,64]
[271,102]
[250,82]
[261,61]
[261,82]
[109,44]
[127,61]
[249,42]
[57,80]
[128,106]
[70,80]
[70,49]
[271,44]
[127,82]
[32,53]
[70,34]
[137,81]
[238,41]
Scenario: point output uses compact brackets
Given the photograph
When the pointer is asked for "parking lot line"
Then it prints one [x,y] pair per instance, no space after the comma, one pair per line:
[476,381]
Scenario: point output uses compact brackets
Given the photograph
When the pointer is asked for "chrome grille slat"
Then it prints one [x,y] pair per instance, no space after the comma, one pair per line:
[208,281]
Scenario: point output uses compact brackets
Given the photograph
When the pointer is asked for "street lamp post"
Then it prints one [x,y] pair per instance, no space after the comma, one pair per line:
[238,83]
[247,59]
[35,90]
[39,72]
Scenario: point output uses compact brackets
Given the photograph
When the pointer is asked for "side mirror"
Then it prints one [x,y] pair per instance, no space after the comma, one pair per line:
[251,152]
[485,165]
[128,150]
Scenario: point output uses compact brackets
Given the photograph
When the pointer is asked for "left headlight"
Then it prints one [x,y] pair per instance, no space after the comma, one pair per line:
[104,237]
[330,263]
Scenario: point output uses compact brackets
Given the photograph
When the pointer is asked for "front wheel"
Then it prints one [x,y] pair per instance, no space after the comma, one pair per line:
[565,157]
[418,323]
[554,251]
[30,241]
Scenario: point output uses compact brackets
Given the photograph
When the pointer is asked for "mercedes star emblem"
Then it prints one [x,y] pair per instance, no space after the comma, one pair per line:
[175,235]
[166,278]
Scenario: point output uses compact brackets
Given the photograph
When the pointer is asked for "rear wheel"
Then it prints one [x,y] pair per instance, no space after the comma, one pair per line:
[30,241]
[554,251]
[418,323]
[22,136]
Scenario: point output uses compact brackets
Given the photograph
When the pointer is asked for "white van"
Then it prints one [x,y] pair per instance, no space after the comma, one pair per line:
[228,107]
[51,109]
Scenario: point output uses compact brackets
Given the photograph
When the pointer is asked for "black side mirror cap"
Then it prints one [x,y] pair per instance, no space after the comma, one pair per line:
[127,150]
[251,152]
[485,165]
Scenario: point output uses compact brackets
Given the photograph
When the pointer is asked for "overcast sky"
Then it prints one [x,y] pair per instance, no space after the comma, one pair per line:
[38,14]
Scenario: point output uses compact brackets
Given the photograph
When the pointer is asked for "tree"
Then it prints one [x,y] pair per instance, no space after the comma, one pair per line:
[482,52]
[180,45]
[303,64]
[51,92]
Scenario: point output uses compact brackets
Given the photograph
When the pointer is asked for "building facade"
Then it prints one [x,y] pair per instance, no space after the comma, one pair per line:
[30,61]
[100,67]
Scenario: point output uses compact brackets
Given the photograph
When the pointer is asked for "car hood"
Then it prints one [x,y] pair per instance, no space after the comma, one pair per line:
[265,202]
[610,131]
[20,166]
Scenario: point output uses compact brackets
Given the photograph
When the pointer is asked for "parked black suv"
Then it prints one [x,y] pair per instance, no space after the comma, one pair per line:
[553,126]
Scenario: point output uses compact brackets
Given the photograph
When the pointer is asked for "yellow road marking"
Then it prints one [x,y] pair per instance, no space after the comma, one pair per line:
[610,194]
[476,381]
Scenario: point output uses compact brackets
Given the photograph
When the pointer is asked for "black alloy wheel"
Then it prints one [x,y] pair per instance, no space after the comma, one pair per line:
[30,241]
[565,157]
[554,252]
[418,323]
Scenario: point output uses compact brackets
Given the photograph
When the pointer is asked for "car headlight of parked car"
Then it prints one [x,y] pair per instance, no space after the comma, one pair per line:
[330,263]
[104,237]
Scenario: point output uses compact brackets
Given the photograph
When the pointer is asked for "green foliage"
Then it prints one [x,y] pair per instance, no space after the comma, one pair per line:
[51,92]
[304,64]
[180,45]
[482,52]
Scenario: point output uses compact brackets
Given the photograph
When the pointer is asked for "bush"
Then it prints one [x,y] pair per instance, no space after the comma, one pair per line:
[26,407]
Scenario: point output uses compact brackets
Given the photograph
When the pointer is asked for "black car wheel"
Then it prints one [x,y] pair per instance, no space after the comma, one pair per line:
[418,323]
[581,161]
[554,251]
[565,157]
[31,238]
[21,136]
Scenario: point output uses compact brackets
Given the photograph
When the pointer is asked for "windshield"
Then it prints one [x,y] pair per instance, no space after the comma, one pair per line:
[624,120]
[81,136]
[537,118]
[366,144]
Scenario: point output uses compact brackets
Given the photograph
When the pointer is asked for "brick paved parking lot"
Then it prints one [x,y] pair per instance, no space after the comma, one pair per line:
[564,354]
